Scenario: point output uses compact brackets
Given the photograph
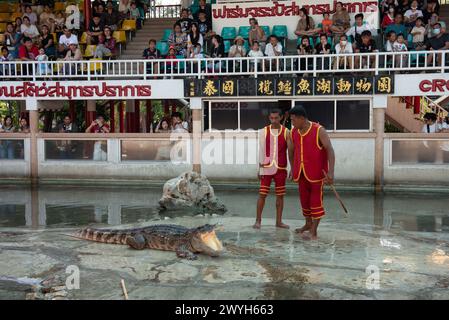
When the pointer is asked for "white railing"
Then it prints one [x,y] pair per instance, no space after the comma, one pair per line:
[165,11]
[376,63]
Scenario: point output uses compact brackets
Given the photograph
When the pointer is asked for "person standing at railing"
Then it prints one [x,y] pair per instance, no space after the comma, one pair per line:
[430,123]
[100,147]
[440,41]
[66,147]
[7,146]
[367,45]
[256,33]
[23,126]
[42,66]
[172,64]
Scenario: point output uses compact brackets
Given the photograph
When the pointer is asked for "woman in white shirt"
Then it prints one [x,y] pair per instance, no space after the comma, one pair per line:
[29,30]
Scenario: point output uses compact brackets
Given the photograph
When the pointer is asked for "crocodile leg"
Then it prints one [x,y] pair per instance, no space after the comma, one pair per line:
[137,242]
[184,253]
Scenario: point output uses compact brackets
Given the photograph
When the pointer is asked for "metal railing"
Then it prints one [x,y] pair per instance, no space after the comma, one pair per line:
[375,63]
[167,11]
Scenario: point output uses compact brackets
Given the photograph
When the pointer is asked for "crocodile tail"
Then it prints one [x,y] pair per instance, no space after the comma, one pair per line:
[104,236]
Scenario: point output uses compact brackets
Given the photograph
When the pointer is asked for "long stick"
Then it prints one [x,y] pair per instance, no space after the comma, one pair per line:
[337,196]
[124,289]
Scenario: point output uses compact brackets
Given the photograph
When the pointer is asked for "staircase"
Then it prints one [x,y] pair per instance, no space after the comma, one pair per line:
[401,116]
[152,29]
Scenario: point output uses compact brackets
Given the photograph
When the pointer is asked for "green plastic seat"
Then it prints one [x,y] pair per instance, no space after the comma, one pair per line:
[280,31]
[228,33]
[166,35]
[246,46]
[227,46]
[244,31]
[266,29]
[162,47]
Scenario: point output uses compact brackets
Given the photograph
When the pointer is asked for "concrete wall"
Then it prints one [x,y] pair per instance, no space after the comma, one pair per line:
[17,169]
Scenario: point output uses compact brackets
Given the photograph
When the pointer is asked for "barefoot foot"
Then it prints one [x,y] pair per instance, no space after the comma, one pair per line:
[305,228]
[282,225]
[256,225]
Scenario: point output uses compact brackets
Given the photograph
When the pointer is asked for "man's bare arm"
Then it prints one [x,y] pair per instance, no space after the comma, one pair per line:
[326,143]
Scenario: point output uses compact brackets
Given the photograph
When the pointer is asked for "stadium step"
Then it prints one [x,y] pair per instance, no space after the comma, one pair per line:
[401,116]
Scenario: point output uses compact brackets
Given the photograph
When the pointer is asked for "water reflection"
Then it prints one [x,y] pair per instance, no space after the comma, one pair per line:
[65,206]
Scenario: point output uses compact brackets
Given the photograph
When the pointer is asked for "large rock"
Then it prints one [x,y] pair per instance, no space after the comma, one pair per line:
[190,192]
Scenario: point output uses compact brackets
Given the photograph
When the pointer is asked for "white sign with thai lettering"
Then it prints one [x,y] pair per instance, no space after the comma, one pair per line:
[287,13]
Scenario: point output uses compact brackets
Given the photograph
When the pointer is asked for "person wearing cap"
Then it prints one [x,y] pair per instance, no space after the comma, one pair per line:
[73,54]
[237,50]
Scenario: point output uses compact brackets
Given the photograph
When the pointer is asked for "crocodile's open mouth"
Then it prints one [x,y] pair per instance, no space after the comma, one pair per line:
[210,239]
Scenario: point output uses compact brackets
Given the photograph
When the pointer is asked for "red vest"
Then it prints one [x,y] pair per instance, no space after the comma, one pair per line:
[309,157]
[278,156]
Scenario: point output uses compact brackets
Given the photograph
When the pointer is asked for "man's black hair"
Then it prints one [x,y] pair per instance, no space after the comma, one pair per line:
[359,15]
[366,33]
[176,114]
[430,116]
[278,111]
[298,111]
[26,39]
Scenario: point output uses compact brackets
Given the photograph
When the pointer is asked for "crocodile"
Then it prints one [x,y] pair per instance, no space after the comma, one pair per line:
[186,242]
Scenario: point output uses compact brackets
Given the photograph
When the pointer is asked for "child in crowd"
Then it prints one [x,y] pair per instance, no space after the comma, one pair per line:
[326,24]
[400,46]
[197,52]
[391,39]
[42,67]
[418,32]
[171,65]
[134,13]
[253,53]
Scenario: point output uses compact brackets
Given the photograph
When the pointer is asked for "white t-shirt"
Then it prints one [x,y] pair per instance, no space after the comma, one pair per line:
[253,53]
[420,36]
[66,41]
[356,29]
[432,128]
[409,13]
[31,30]
[347,48]
[269,51]
[399,47]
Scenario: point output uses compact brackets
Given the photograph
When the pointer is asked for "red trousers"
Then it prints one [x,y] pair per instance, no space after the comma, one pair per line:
[311,197]
[279,182]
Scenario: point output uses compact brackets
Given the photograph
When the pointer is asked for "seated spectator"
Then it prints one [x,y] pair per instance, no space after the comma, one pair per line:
[178,40]
[23,126]
[106,44]
[428,11]
[355,32]
[194,37]
[32,17]
[326,25]
[206,8]
[386,4]
[101,12]
[12,40]
[435,18]
[256,33]
[67,126]
[7,146]
[440,41]
[18,25]
[305,49]
[61,51]
[47,18]
[430,123]
[306,25]
[204,25]
[388,17]
[443,125]
[67,38]
[273,49]
[100,148]
[178,125]
[185,22]
[163,126]
[95,29]
[343,47]
[237,50]
[6,68]
[73,54]
[152,53]
[123,8]
[111,17]
[134,14]
[398,26]
[42,67]
[172,64]
[367,45]
[6,55]
[418,32]
[412,14]
[29,30]
[400,46]
[66,148]
[255,52]
[340,20]
[47,42]
[391,39]
[59,23]
[323,47]
[95,5]
[216,51]
[403,6]
[28,51]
